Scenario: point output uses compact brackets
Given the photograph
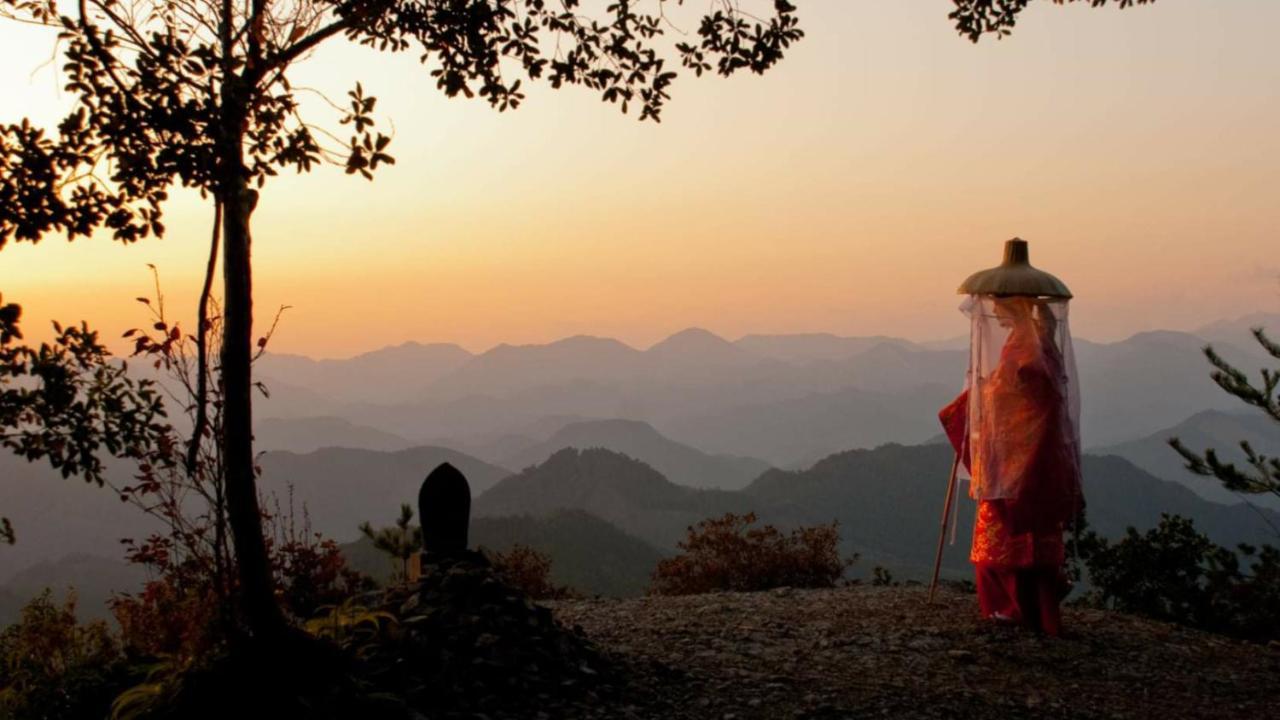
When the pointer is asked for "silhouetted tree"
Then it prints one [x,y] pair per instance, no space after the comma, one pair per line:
[196,93]
[65,402]
[1173,572]
[1262,475]
[975,18]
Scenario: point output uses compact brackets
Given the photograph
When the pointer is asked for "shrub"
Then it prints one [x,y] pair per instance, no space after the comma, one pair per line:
[1174,573]
[400,542]
[728,554]
[527,569]
[311,572]
[167,618]
[52,667]
[882,577]
[183,612]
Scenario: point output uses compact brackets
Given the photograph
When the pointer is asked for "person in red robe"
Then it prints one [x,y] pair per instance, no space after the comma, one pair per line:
[1014,432]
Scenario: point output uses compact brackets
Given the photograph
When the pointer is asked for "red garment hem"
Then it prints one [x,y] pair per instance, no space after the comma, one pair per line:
[1026,596]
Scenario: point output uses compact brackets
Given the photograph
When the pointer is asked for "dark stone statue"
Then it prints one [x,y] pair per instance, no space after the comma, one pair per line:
[444,508]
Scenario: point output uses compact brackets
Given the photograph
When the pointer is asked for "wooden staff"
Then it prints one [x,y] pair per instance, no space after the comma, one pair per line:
[946,518]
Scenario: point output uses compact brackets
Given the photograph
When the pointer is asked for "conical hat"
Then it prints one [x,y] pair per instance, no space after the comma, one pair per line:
[1015,276]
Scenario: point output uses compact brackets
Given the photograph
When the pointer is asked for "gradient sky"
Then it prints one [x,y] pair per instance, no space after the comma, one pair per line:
[849,190]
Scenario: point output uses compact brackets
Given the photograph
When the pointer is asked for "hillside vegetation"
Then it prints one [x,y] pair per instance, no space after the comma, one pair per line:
[589,555]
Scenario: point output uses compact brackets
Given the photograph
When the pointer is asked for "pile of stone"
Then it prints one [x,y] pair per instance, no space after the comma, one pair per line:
[469,643]
[466,644]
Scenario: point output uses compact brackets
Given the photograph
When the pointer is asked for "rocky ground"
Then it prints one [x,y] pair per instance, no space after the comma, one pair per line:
[870,652]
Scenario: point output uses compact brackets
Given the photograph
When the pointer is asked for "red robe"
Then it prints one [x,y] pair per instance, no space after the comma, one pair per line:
[1025,475]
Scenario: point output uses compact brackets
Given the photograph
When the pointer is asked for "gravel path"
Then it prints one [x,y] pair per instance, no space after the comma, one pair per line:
[869,652]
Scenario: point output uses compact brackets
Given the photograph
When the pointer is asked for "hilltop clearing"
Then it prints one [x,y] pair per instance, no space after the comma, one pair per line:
[863,652]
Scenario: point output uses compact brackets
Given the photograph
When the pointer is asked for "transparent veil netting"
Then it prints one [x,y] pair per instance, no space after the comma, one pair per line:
[1023,424]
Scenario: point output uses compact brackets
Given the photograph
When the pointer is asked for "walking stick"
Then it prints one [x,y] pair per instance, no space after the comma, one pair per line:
[946,517]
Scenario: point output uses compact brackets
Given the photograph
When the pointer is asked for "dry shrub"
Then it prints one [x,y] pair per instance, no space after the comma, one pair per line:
[184,610]
[52,667]
[527,569]
[729,554]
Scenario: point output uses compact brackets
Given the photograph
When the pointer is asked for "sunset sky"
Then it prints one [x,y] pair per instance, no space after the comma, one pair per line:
[849,190]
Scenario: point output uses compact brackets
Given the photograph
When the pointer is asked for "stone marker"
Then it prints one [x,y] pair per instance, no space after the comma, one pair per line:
[444,508]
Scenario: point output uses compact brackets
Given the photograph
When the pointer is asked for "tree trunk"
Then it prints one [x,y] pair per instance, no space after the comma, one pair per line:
[261,612]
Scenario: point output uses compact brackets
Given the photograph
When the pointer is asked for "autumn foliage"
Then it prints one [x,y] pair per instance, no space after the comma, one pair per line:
[53,667]
[729,554]
[184,610]
[527,569]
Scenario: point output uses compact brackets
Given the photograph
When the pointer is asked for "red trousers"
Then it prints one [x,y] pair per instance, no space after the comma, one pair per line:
[1019,574]
[1027,596]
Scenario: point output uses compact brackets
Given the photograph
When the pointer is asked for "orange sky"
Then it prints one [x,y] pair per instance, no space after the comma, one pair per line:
[849,190]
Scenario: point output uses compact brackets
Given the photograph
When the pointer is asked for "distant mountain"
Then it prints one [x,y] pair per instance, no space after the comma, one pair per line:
[1221,431]
[1239,331]
[508,368]
[955,342]
[303,435]
[696,354]
[497,447]
[618,489]
[725,392]
[796,432]
[587,554]
[887,501]
[340,488]
[10,606]
[605,517]
[94,579]
[814,347]
[679,463]
[895,368]
[287,400]
[55,516]
[343,487]
[386,375]
[1137,386]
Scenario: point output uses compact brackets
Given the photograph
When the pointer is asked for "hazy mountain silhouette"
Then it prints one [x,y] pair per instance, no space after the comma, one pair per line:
[814,347]
[385,375]
[508,368]
[1221,431]
[587,553]
[287,400]
[887,501]
[1130,389]
[343,487]
[788,400]
[1239,331]
[497,448]
[303,435]
[955,342]
[94,579]
[886,367]
[679,463]
[618,489]
[1140,385]
[698,355]
[796,432]
[55,516]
